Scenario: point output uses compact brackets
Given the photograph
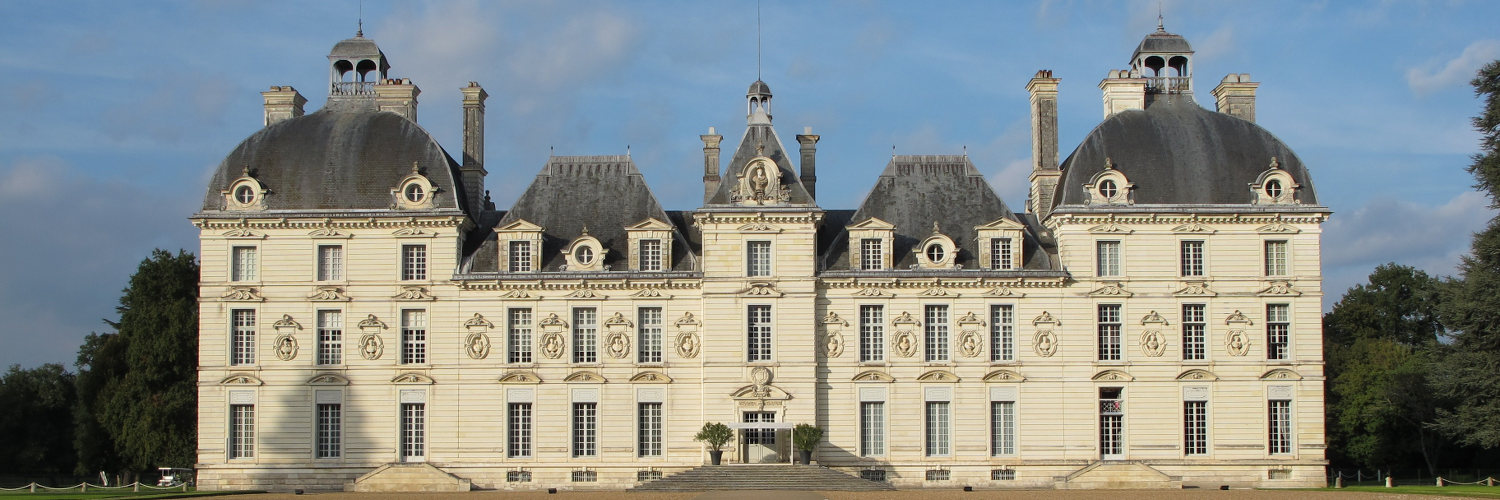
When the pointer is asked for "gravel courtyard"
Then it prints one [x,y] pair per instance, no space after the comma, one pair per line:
[875,495]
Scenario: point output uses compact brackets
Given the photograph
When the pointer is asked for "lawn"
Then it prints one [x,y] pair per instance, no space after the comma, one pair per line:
[1469,490]
[123,492]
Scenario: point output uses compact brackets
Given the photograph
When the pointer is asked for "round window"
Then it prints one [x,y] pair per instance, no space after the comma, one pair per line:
[414,193]
[244,194]
[1108,189]
[584,255]
[1273,188]
[935,253]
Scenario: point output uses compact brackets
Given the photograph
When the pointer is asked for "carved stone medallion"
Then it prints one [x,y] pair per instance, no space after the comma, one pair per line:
[687,344]
[1044,343]
[618,345]
[1153,343]
[833,341]
[904,343]
[286,347]
[1237,343]
[370,346]
[553,345]
[477,345]
[969,344]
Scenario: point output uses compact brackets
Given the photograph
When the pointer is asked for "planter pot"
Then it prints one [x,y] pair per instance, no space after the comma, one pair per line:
[805,456]
[715,456]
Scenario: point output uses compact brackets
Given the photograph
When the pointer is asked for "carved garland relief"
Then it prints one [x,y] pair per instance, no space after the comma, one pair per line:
[904,342]
[687,335]
[1045,340]
[1153,342]
[833,336]
[370,344]
[970,337]
[477,345]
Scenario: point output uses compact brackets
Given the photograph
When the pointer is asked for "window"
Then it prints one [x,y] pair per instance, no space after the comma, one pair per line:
[1108,253]
[1195,427]
[518,476]
[1108,189]
[871,333]
[330,262]
[871,258]
[758,341]
[648,435]
[1194,332]
[872,474]
[647,475]
[937,333]
[871,428]
[650,255]
[244,195]
[585,476]
[939,474]
[519,333]
[518,430]
[585,335]
[1109,332]
[1111,422]
[585,424]
[1192,258]
[584,255]
[413,262]
[1276,258]
[1280,426]
[1002,333]
[937,429]
[1273,188]
[413,431]
[1002,474]
[1278,331]
[242,341]
[758,260]
[243,267]
[935,252]
[414,193]
[1002,428]
[651,335]
[241,431]
[413,337]
[330,337]
[1000,254]
[330,423]
[520,256]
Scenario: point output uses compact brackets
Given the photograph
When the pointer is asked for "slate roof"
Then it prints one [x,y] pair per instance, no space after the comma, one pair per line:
[339,160]
[1161,41]
[355,49]
[604,193]
[915,191]
[1176,152]
[761,140]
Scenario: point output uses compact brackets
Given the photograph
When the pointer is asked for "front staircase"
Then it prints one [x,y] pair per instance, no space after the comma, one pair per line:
[762,477]
[400,477]
[1118,474]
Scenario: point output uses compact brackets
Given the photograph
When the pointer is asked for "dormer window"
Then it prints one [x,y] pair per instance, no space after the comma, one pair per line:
[870,243]
[414,192]
[1109,186]
[520,245]
[1108,189]
[585,253]
[1001,251]
[937,251]
[1000,244]
[871,254]
[245,193]
[650,247]
[520,256]
[1274,186]
[650,255]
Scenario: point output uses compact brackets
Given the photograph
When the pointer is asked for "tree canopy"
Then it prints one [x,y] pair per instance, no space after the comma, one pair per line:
[35,417]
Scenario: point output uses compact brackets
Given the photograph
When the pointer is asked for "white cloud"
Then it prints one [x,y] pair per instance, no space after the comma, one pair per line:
[1431,238]
[1436,75]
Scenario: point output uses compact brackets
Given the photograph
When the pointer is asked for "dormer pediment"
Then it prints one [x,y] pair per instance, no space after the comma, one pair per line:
[650,224]
[519,225]
[871,223]
[1001,224]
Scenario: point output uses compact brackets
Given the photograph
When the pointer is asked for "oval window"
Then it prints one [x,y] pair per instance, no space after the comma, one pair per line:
[244,194]
[1273,188]
[1108,189]
[584,255]
[414,193]
[935,253]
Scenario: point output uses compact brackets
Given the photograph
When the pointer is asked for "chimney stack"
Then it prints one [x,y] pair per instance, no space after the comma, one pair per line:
[809,161]
[1123,90]
[282,103]
[710,163]
[397,96]
[1235,96]
[473,163]
[1044,167]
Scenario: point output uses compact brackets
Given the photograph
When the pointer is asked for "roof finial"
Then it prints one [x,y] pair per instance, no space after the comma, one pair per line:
[757,40]
[893,150]
[627,150]
[935,229]
[360,31]
[966,150]
[1159,27]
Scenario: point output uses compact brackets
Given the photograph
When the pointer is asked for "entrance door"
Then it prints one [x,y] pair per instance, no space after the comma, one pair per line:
[413,432]
[1111,424]
[760,443]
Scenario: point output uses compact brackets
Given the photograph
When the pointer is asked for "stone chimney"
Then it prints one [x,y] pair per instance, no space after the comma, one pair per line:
[1234,96]
[282,103]
[473,163]
[1044,167]
[1123,90]
[809,161]
[710,163]
[397,96]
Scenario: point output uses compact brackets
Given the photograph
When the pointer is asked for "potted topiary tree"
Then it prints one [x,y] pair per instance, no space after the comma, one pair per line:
[714,434]
[805,437]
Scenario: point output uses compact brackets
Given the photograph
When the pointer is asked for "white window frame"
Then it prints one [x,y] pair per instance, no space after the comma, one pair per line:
[412,436]
[330,337]
[755,265]
[651,258]
[1002,333]
[244,263]
[1195,428]
[1002,254]
[1279,433]
[242,337]
[652,321]
[519,336]
[759,333]
[937,341]
[414,326]
[241,435]
[329,263]
[520,426]
[414,262]
[585,335]
[1003,427]
[871,333]
[871,254]
[872,430]
[1110,338]
[1192,262]
[584,425]
[1195,343]
[328,431]
[649,418]
[519,256]
[1275,265]
[1279,332]
[938,433]
[1109,263]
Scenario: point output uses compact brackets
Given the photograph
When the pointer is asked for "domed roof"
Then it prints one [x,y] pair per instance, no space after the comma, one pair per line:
[1161,41]
[759,87]
[358,47]
[336,160]
[1176,152]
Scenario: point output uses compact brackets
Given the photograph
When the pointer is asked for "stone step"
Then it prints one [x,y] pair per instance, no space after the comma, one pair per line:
[762,477]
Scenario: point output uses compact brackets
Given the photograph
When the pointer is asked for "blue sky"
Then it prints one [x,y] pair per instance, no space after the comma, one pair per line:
[116,113]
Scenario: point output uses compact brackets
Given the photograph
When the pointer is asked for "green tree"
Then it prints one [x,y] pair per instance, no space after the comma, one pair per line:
[142,380]
[1377,341]
[1469,372]
[35,413]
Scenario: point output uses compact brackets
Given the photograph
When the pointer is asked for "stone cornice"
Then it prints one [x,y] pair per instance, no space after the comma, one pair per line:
[575,285]
[265,223]
[738,217]
[1099,218]
[982,285]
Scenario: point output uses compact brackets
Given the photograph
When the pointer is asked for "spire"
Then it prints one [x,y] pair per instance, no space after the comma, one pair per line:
[1160,28]
[359,32]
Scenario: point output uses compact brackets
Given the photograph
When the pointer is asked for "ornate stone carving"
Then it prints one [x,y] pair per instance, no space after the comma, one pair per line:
[411,378]
[1153,343]
[871,292]
[1110,227]
[618,323]
[937,292]
[242,294]
[1003,291]
[938,376]
[617,344]
[1044,318]
[242,233]
[873,376]
[904,342]
[585,376]
[687,335]
[286,347]
[328,293]
[1237,342]
[1194,288]
[1279,228]
[412,232]
[553,345]
[241,379]
[477,345]
[1193,227]
[1044,343]
[759,227]
[762,289]
[1198,375]
[286,323]
[651,377]
[970,336]
[833,336]
[478,322]
[760,376]
[650,293]
[371,322]
[1111,289]
[516,293]
[1004,376]
[1279,288]
[328,379]
[585,293]
[370,346]
[520,377]
[1237,317]
[413,293]
[1113,376]
[759,184]
[327,232]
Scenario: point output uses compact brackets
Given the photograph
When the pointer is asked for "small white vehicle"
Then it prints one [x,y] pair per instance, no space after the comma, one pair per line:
[172,476]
